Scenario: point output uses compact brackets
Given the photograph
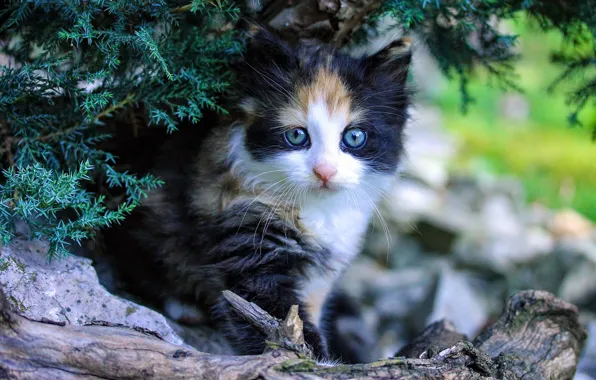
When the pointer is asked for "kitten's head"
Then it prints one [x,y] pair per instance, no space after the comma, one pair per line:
[318,119]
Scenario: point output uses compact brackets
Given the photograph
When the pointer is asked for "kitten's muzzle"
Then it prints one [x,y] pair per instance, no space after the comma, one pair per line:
[325,172]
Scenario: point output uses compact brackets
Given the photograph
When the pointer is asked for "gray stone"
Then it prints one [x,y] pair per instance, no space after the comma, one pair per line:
[578,264]
[498,216]
[409,199]
[500,252]
[68,290]
[579,285]
[465,191]
[587,361]
[400,293]
[556,272]
[458,300]
[501,240]
[428,147]
[438,230]
[356,278]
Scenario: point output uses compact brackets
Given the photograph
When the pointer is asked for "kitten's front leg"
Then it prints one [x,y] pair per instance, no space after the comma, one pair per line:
[272,294]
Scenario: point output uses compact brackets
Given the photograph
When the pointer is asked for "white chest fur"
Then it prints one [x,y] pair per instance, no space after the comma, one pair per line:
[339,224]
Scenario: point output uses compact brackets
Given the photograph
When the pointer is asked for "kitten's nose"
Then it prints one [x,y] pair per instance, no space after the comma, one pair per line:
[324,171]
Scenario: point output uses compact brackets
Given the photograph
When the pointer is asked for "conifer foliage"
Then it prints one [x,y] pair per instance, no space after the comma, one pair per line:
[464,34]
[67,67]
[70,67]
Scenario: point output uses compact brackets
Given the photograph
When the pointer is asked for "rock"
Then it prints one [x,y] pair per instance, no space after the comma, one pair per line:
[556,271]
[572,249]
[407,253]
[458,300]
[409,199]
[501,239]
[428,148]
[490,251]
[68,291]
[571,224]
[473,192]
[438,230]
[437,235]
[538,215]
[587,361]
[578,286]
[512,188]
[499,217]
[466,192]
[357,277]
[398,294]
[578,262]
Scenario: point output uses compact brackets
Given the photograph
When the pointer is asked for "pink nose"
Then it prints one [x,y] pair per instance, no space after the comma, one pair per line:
[324,172]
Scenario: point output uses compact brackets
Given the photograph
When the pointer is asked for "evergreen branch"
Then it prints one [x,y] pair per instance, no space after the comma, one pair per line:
[10,140]
[198,4]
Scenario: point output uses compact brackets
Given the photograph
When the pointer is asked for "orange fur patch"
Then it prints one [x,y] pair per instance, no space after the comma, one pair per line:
[328,87]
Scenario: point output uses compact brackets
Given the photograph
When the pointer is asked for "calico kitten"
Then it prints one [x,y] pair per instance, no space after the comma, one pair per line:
[273,203]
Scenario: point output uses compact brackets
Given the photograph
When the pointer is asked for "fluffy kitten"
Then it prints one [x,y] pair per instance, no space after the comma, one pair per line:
[272,203]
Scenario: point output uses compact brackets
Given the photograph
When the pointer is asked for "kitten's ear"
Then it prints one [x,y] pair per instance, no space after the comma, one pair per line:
[394,59]
[263,44]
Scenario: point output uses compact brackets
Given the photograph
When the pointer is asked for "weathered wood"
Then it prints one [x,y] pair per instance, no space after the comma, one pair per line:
[536,327]
[287,334]
[537,337]
[435,338]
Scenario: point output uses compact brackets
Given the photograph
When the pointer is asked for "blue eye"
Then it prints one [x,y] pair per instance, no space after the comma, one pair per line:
[297,137]
[354,138]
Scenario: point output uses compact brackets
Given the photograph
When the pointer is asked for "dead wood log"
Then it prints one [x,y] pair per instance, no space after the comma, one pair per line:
[435,338]
[537,337]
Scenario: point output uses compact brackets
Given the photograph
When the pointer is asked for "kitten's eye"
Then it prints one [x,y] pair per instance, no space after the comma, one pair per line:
[297,137]
[354,138]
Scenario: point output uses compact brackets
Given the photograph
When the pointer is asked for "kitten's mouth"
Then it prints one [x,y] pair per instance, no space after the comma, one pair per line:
[326,188]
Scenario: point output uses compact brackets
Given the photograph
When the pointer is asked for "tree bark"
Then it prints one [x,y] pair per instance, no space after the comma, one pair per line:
[537,337]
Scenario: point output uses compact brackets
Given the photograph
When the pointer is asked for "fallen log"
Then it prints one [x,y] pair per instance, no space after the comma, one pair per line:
[537,337]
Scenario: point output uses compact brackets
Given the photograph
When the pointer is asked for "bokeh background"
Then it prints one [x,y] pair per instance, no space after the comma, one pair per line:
[495,200]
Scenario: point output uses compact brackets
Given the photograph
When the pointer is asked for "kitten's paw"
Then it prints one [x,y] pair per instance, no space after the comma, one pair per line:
[317,342]
[184,313]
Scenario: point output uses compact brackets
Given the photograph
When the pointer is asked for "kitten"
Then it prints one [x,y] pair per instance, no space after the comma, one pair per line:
[273,202]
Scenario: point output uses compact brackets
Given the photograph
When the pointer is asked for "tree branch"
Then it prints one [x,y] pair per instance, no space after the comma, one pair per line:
[538,336]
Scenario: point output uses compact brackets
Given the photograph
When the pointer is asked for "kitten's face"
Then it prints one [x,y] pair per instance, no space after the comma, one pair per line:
[321,121]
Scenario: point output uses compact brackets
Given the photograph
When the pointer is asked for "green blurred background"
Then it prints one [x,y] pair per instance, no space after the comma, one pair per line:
[526,134]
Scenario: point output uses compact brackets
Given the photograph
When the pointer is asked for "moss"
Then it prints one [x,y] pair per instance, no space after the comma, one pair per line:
[308,365]
[383,363]
[18,304]
[22,268]
[8,262]
[298,365]
[4,265]
[130,310]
